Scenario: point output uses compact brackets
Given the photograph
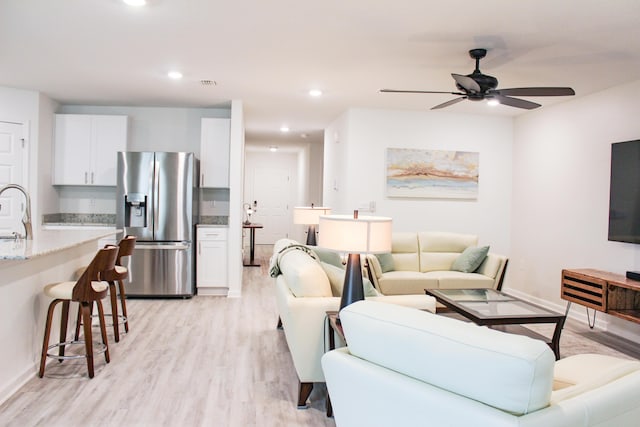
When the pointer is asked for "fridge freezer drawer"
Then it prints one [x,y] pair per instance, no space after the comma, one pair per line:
[161,270]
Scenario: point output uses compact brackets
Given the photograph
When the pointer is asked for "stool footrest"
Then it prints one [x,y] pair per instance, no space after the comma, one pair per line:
[99,348]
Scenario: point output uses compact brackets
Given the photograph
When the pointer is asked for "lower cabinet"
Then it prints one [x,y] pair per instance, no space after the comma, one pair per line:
[211,261]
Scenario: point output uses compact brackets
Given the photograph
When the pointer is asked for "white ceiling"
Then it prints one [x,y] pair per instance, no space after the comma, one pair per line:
[269,53]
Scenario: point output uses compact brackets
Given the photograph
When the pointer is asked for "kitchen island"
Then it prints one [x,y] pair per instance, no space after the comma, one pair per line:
[26,266]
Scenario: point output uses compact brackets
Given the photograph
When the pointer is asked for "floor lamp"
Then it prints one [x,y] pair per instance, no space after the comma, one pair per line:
[309,215]
[355,235]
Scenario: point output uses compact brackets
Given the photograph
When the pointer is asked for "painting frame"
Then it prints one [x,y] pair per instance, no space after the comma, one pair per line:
[432,174]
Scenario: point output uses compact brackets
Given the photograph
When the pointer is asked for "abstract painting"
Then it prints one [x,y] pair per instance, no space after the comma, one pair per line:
[432,173]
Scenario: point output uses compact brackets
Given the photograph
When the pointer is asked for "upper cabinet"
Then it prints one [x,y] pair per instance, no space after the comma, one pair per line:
[214,153]
[85,148]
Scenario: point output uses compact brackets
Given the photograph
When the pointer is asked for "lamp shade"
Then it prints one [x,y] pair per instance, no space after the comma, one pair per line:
[309,215]
[366,234]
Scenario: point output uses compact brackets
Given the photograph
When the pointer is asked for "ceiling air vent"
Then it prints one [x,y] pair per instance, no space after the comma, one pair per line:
[208,82]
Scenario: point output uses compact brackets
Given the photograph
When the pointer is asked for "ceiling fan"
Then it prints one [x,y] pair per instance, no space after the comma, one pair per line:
[477,86]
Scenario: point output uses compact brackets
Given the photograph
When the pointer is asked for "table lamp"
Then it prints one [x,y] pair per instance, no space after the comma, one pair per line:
[355,235]
[249,210]
[309,215]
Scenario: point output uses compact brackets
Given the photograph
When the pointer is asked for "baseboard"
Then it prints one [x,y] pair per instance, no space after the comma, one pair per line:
[16,384]
[234,293]
[216,292]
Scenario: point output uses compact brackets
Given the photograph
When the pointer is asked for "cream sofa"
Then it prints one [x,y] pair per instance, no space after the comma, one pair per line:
[303,296]
[424,260]
[408,368]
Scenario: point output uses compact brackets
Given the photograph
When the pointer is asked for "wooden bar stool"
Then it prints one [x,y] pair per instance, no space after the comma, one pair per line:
[89,288]
[119,274]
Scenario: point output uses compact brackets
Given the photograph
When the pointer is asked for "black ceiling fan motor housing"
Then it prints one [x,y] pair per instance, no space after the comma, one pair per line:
[485,81]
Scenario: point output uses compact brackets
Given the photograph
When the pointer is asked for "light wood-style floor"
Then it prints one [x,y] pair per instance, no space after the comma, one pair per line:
[207,361]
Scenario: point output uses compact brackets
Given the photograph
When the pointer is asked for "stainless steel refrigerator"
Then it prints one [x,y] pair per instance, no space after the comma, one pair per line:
[157,202]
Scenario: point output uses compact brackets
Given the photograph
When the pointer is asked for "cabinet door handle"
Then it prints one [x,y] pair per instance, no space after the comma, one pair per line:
[202,180]
[92,177]
[86,178]
[199,248]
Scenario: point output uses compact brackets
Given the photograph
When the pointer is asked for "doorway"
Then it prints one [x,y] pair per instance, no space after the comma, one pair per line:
[12,171]
[270,182]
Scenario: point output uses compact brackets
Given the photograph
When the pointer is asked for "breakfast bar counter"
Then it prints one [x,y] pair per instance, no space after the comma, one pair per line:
[26,267]
[49,241]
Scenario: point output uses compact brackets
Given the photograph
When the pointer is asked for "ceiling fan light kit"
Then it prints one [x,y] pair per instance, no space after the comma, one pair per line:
[478,86]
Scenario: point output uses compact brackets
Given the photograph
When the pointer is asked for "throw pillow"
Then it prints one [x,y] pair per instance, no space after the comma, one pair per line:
[386,262]
[325,255]
[336,280]
[470,259]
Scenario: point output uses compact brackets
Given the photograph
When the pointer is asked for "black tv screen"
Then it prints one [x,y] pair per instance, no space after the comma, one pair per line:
[624,193]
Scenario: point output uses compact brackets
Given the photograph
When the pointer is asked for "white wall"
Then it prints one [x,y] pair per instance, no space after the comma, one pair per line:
[355,149]
[236,191]
[561,167]
[31,108]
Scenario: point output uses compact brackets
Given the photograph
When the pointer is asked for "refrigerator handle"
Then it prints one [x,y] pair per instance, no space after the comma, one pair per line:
[156,199]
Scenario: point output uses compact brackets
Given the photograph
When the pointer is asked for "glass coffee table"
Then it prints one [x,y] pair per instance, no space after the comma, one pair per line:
[488,307]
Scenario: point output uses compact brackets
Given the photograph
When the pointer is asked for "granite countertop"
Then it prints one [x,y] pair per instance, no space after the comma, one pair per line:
[49,241]
[214,220]
[109,220]
[84,220]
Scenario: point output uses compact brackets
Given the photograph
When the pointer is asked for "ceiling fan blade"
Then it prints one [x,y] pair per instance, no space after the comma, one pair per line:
[448,103]
[515,102]
[416,91]
[536,91]
[467,82]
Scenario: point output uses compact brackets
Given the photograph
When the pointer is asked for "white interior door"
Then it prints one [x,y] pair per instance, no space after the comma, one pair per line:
[271,190]
[12,155]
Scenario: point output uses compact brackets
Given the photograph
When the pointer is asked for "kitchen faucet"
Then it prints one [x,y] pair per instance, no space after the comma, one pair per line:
[26,219]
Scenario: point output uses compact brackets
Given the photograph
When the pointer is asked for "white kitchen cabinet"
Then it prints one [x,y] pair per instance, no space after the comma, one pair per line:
[214,152]
[85,148]
[211,261]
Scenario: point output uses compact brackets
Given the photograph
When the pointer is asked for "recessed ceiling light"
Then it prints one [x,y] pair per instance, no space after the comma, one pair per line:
[303,135]
[175,75]
[315,92]
[273,148]
[493,102]
[284,128]
[135,2]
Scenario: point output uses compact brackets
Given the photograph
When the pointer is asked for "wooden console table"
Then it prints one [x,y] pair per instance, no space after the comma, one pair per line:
[610,293]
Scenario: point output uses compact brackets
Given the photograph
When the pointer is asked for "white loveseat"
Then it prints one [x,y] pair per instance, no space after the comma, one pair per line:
[407,368]
[305,290]
[426,260]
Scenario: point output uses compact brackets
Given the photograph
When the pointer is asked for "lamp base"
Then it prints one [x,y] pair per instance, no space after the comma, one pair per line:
[311,236]
[352,289]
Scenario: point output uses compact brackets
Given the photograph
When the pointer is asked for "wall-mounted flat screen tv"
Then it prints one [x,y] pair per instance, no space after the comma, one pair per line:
[624,193]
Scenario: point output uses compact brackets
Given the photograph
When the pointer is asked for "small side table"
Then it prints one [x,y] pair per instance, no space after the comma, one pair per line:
[252,243]
[334,328]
